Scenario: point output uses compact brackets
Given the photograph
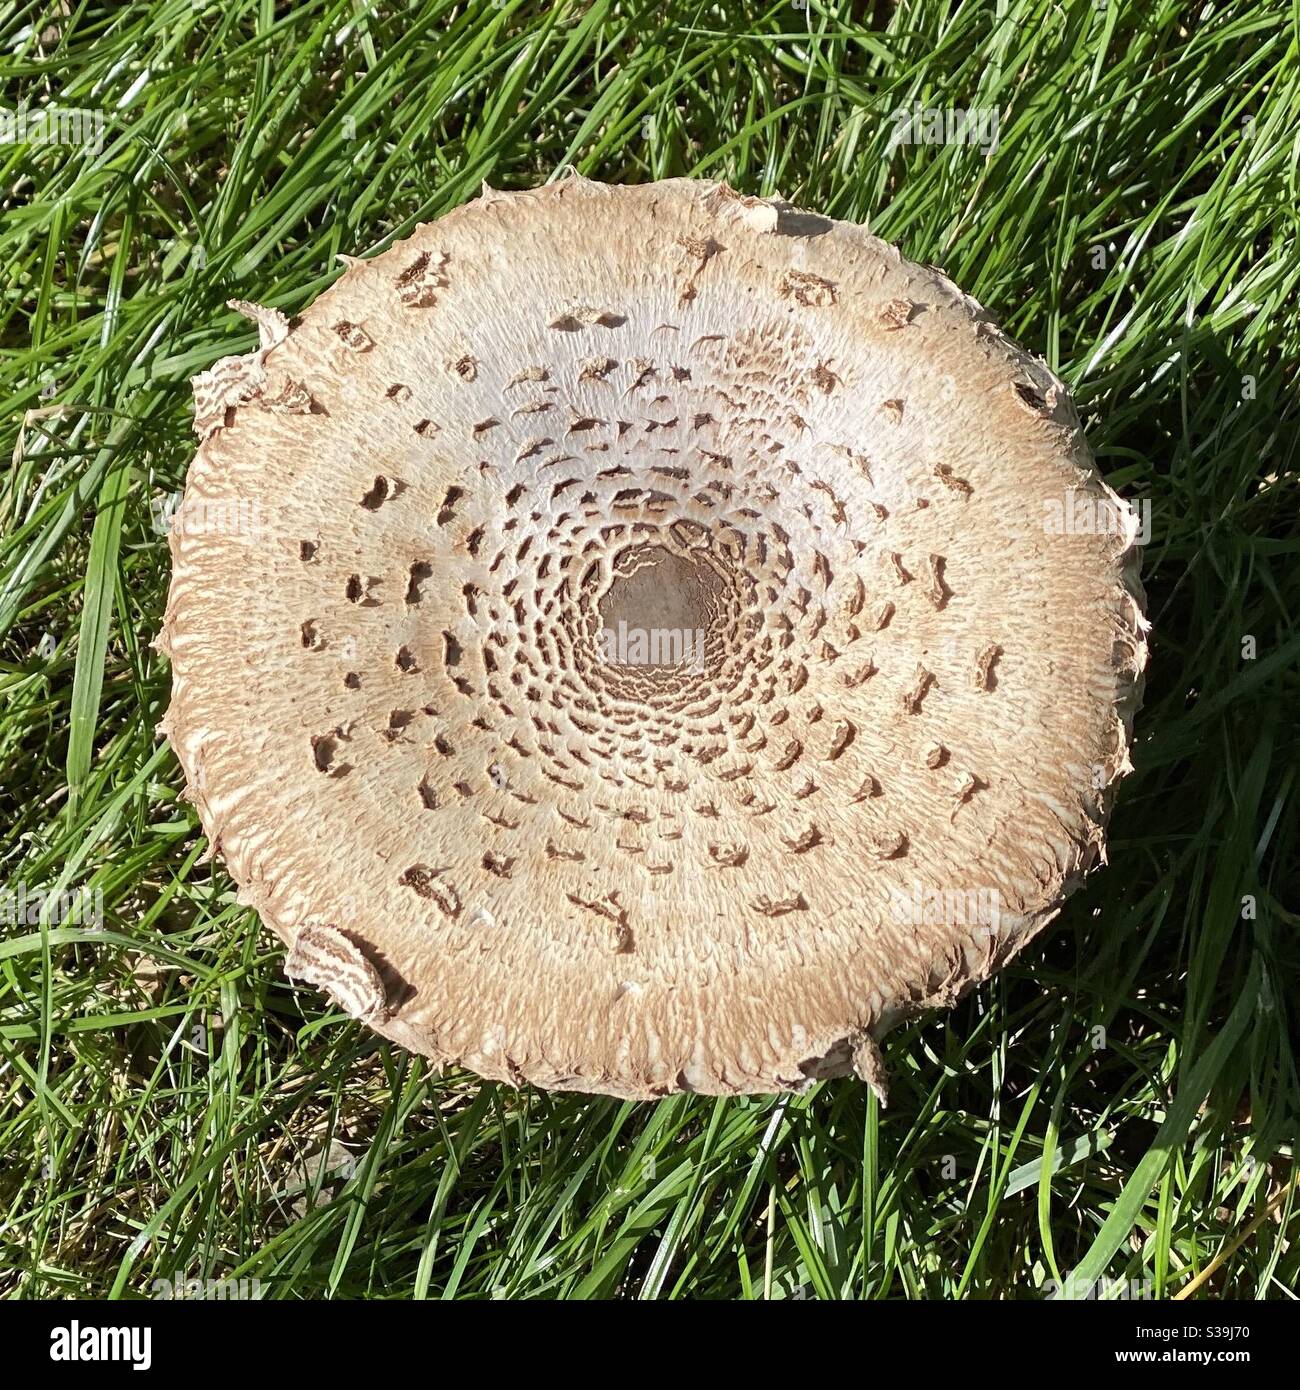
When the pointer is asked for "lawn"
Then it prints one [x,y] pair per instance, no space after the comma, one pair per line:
[1115,1115]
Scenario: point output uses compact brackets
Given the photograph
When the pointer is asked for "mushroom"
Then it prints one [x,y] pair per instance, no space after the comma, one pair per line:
[417,694]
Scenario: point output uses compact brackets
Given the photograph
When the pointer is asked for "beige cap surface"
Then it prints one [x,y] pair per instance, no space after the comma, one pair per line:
[427,526]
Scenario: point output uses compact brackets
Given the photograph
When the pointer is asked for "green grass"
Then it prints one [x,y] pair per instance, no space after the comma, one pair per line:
[1122,1103]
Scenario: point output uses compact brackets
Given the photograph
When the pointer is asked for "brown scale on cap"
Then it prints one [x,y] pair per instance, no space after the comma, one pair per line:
[572,712]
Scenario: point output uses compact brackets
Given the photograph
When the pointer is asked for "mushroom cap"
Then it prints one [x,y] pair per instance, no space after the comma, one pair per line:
[426,544]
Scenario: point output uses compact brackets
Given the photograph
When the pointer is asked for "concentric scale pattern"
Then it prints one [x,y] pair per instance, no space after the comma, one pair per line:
[417,514]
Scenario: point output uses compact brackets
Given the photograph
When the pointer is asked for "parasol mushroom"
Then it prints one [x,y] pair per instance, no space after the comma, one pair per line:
[419,523]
